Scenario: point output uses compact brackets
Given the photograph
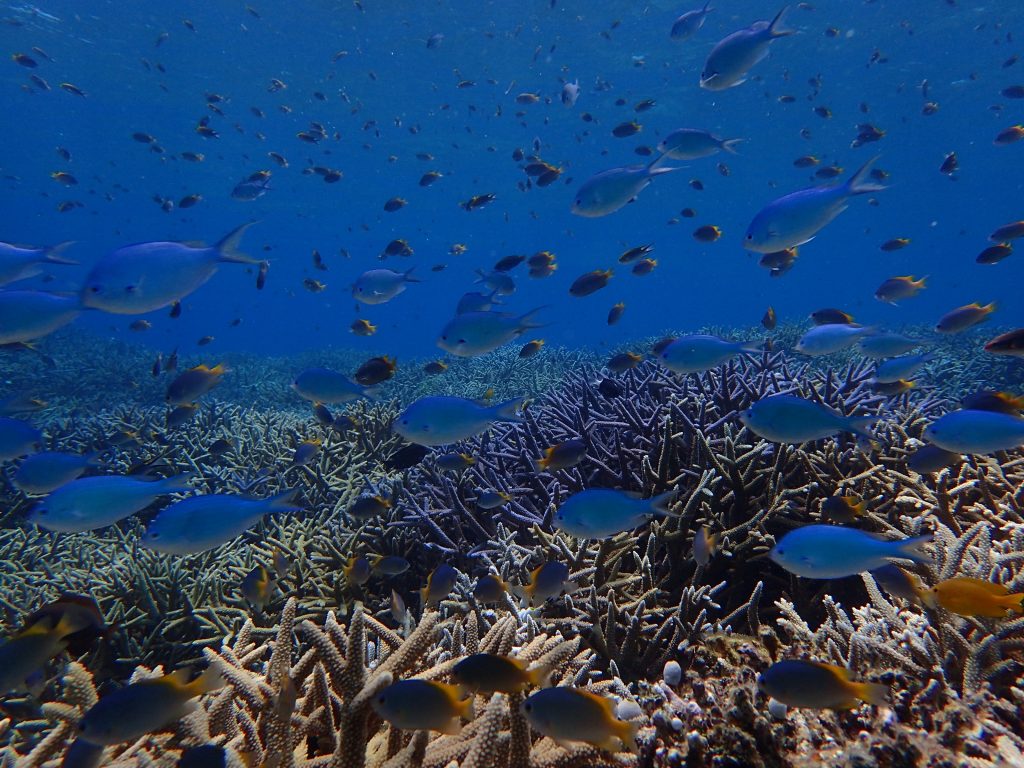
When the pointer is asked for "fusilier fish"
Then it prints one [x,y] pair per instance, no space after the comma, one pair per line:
[692,143]
[21,262]
[792,419]
[477,333]
[733,56]
[378,286]
[608,191]
[44,472]
[835,551]
[17,438]
[689,23]
[199,523]
[976,432]
[796,218]
[897,368]
[599,513]
[140,278]
[442,420]
[699,353]
[29,315]
[89,503]
[830,338]
[322,385]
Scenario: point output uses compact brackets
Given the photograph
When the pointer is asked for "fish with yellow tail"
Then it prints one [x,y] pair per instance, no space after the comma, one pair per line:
[572,715]
[966,596]
[814,685]
[423,705]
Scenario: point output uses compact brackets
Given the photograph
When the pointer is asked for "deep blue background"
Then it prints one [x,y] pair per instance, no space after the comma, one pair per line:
[391,77]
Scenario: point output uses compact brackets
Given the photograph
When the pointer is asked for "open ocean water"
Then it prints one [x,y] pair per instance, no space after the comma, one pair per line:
[648,377]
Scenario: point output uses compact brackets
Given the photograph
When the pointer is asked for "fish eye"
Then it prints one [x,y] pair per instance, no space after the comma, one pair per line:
[462,341]
[780,551]
[527,707]
[750,236]
[154,535]
[129,289]
[96,288]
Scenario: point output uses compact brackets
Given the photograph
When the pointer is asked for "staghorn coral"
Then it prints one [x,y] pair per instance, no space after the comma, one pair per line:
[635,601]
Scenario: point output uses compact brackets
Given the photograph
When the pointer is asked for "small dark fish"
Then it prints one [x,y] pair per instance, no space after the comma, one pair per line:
[990,400]
[261,275]
[478,201]
[615,313]
[375,370]
[624,130]
[24,60]
[950,164]
[769,320]
[1009,135]
[636,252]
[644,266]
[508,263]
[588,283]
[609,388]
[623,361]
[707,233]
[831,316]
[1010,231]
[406,457]
[930,458]
[435,367]
[395,204]
[189,200]
[175,310]
[994,253]
[429,178]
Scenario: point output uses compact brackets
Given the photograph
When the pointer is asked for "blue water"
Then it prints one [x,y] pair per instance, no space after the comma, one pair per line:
[392,78]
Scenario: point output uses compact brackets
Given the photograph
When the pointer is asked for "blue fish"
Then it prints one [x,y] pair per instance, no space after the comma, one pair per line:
[199,523]
[322,385]
[608,191]
[89,503]
[600,513]
[835,551]
[443,420]
[976,432]
[19,262]
[796,218]
[44,472]
[792,419]
[733,56]
[140,278]
[17,438]
[29,315]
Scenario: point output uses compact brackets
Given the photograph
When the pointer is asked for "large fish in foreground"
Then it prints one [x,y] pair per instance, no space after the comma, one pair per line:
[95,502]
[29,315]
[792,419]
[835,551]
[442,420]
[730,60]
[607,191]
[21,262]
[477,333]
[796,218]
[140,278]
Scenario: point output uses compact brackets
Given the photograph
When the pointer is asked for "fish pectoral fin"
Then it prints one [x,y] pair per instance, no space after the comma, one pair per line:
[451,727]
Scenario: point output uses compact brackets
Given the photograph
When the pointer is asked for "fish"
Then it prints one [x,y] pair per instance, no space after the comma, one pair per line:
[599,513]
[570,93]
[21,262]
[608,191]
[732,57]
[89,503]
[929,459]
[357,571]
[15,404]
[976,432]
[29,315]
[625,130]
[487,673]
[499,282]
[692,144]
[200,523]
[129,713]
[26,652]
[322,385]
[1010,231]
[43,472]
[476,302]
[700,352]
[423,705]
[252,188]
[705,544]
[440,583]
[1009,343]
[305,453]
[842,509]
[362,327]
[815,685]
[192,384]
[491,499]
[899,583]
[688,24]
[566,714]
[615,313]
[257,587]
[395,203]
[834,551]
[368,506]
[140,278]
[796,218]
[994,253]
[623,361]
[406,457]
[950,164]
[548,580]
[18,438]
[379,286]
[769,321]
[435,367]
[562,455]
[490,589]
[778,263]
[476,333]
[590,282]
[441,420]
[990,400]
[898,288]
[454,462]
[963,318]
[531,348]
[881,345]
[707,233]
[894,369]
[644,266]
[966,596]
[895,244]
[1009,135]
[390,565]
[792,419]
[375,371]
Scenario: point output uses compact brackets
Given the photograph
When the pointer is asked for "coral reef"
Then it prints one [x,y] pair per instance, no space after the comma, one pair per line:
[633,604]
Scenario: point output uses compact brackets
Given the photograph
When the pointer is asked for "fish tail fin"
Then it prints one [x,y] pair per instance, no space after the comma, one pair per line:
[541,464]
[55,253]
[989,308]
[775,30]
[227,246]
[626,732]
[756,345]
[729,145]
[707,7]
[527,321]
[661,504]
[465,708]
[176,483]
[913,549]
[657,165]
[541,675]
[1015,603]
[408,276]
[283,501]
[70,622]
[872,693]
[508,411]
[210,680]
[858,184]
[861,425]
[92,459]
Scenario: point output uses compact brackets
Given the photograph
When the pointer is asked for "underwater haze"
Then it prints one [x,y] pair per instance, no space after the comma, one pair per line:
[541,384]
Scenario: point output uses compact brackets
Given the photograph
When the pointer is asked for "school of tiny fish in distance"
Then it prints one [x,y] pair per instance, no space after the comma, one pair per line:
[504,551]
